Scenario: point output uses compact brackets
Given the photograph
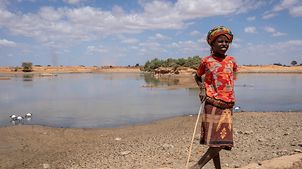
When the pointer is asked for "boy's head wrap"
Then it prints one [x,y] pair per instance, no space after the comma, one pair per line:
[219,30]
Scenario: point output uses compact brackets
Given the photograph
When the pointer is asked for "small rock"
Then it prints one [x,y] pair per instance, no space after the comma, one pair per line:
[166,146]
[45,165]
[248,132]
[281,152]
[125,153]
[299,144]
[239,132]
[236,166]
[118,139]
[298,150]
[261,140]
[260,163]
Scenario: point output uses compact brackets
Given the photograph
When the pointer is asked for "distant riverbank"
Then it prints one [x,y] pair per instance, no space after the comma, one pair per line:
[86,69]
[270,69]
[69,69]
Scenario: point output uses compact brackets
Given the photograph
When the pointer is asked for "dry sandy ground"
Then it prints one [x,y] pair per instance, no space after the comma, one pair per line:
[70,69]
[74,69]
[161,144]
[270,69]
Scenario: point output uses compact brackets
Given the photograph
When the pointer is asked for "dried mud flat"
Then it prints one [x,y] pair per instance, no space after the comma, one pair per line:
[161,144]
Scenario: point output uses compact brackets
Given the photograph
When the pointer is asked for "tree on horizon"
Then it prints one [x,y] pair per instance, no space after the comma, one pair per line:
[294,63]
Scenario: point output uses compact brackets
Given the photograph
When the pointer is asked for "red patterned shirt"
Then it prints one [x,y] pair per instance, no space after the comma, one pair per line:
[219,77]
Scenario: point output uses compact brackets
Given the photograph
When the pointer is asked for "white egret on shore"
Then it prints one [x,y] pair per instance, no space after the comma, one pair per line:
[13,117]
[28,115]
[237,109]
[20,118]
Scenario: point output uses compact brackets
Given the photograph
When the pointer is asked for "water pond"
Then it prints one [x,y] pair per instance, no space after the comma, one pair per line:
[93,100]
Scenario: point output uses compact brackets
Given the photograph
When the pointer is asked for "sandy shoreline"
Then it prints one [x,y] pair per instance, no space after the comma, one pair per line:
[91,69]
[164,143]
[68,69]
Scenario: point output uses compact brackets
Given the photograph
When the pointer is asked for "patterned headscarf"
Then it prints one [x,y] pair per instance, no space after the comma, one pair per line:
[219,30]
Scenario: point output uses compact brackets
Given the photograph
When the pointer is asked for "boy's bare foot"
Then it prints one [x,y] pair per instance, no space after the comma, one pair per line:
[195,166]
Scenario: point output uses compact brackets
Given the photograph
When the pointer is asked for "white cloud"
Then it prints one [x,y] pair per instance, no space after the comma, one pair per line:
[251,18]
[61,26]
[268,15]
[130,41]
[3,4]
[150,45]
[279,34]
[151,48]
[7,43]
[202,8]
[293,6]
[285,4]
[296,11]
[159,36]
[73,2]
[250,29]
[195,33]
[273,31]
[269,53]
[96,49]
[117,11]
[189,48]
[295,44]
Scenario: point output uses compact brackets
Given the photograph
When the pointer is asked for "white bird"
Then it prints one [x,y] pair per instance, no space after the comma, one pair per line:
[237,108]
[28,115]
[13,117]
[19,118]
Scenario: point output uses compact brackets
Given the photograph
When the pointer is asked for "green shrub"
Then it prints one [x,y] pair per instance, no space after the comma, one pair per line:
[27,67]
[191,62]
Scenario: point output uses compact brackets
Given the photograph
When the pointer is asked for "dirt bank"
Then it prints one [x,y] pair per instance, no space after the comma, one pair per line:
[258,137]
[69,69]
[81,69]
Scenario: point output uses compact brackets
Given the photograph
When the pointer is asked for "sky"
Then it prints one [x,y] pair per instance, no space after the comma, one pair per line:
[129,32]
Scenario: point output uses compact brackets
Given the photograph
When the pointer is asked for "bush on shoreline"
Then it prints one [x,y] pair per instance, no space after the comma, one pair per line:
[191,62]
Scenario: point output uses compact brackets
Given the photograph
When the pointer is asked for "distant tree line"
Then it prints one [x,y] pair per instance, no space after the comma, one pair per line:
[293,63]
[192,62]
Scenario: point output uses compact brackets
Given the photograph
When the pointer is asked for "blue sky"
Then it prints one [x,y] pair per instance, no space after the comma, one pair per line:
[127,32]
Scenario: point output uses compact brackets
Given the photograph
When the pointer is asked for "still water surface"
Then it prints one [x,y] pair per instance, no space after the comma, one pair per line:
[93,100]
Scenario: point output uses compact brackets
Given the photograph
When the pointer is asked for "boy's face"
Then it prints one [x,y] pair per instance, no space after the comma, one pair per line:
[221,45]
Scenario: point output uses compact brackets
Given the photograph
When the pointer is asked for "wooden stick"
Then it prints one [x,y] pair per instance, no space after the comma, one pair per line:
[190,149]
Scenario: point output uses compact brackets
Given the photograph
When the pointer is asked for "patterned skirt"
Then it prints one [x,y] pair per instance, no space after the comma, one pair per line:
[217,127]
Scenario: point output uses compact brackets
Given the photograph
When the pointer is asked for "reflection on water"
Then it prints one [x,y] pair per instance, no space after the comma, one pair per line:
[28,77]
[115,99]
[155,81]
